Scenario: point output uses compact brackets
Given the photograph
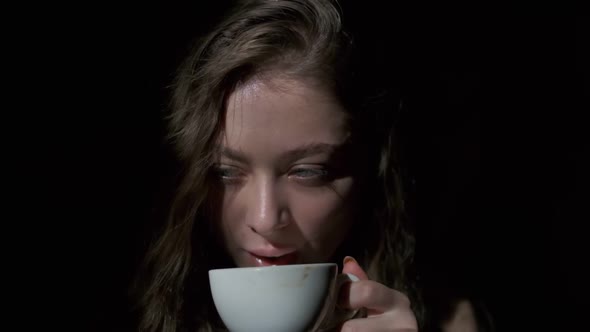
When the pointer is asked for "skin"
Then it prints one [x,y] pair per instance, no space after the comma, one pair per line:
[281,193]
[285,190]
[463,319]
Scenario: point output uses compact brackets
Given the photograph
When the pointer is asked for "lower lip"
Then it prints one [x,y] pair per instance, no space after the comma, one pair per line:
[268,261]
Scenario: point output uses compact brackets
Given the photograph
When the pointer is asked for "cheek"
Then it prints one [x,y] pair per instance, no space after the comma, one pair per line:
[325,216]
[224,212]
[231,212]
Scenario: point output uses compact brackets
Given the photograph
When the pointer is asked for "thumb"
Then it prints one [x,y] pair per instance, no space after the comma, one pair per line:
[351,266]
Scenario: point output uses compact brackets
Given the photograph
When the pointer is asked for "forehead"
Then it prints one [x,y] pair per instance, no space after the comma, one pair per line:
[281,113]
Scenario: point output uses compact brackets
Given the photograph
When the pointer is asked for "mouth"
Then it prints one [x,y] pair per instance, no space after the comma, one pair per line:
[287,259]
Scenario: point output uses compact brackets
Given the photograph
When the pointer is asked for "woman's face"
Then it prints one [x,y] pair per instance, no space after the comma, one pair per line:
[283,181]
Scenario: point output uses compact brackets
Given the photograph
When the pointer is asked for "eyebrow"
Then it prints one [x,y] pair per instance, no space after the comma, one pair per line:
[303,151]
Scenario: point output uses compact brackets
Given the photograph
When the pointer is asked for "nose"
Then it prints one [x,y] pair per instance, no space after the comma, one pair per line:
[265,213]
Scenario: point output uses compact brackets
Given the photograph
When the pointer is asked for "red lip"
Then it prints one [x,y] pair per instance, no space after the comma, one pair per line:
[271,251]
[272,257]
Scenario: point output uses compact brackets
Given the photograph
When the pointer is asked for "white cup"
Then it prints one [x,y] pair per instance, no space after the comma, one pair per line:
[282,298]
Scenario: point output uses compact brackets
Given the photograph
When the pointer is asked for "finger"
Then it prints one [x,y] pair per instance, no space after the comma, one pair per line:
[369,294]
[396,323]
[373,324]
[351,266]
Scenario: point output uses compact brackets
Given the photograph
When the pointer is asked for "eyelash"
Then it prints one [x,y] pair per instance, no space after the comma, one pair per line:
[221,172]
[315,173]
[308,176]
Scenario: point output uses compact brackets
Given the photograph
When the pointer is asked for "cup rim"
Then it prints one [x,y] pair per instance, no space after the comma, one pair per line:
[272,267]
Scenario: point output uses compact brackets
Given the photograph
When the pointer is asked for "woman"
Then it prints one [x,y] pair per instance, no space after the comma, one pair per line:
[287,148]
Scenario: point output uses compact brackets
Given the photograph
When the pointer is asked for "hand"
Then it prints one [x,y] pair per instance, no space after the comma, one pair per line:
[387,309]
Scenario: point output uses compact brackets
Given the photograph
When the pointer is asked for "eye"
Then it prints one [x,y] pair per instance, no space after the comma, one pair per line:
[227,174]
[310,175]
[307,173]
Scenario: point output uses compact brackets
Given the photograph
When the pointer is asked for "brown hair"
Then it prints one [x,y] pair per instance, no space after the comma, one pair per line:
[302,39]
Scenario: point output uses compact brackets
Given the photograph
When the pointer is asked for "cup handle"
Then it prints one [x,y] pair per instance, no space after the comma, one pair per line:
[340,315]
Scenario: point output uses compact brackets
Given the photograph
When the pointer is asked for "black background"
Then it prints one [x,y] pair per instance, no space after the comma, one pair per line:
[492,134]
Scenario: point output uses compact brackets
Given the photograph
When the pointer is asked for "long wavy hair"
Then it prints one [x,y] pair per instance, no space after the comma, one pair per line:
[300,39]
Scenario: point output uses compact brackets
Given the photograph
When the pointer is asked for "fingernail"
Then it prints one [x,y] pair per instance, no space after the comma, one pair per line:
[349,259]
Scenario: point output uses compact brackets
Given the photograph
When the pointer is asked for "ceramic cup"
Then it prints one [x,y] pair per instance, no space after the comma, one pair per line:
[282,298]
